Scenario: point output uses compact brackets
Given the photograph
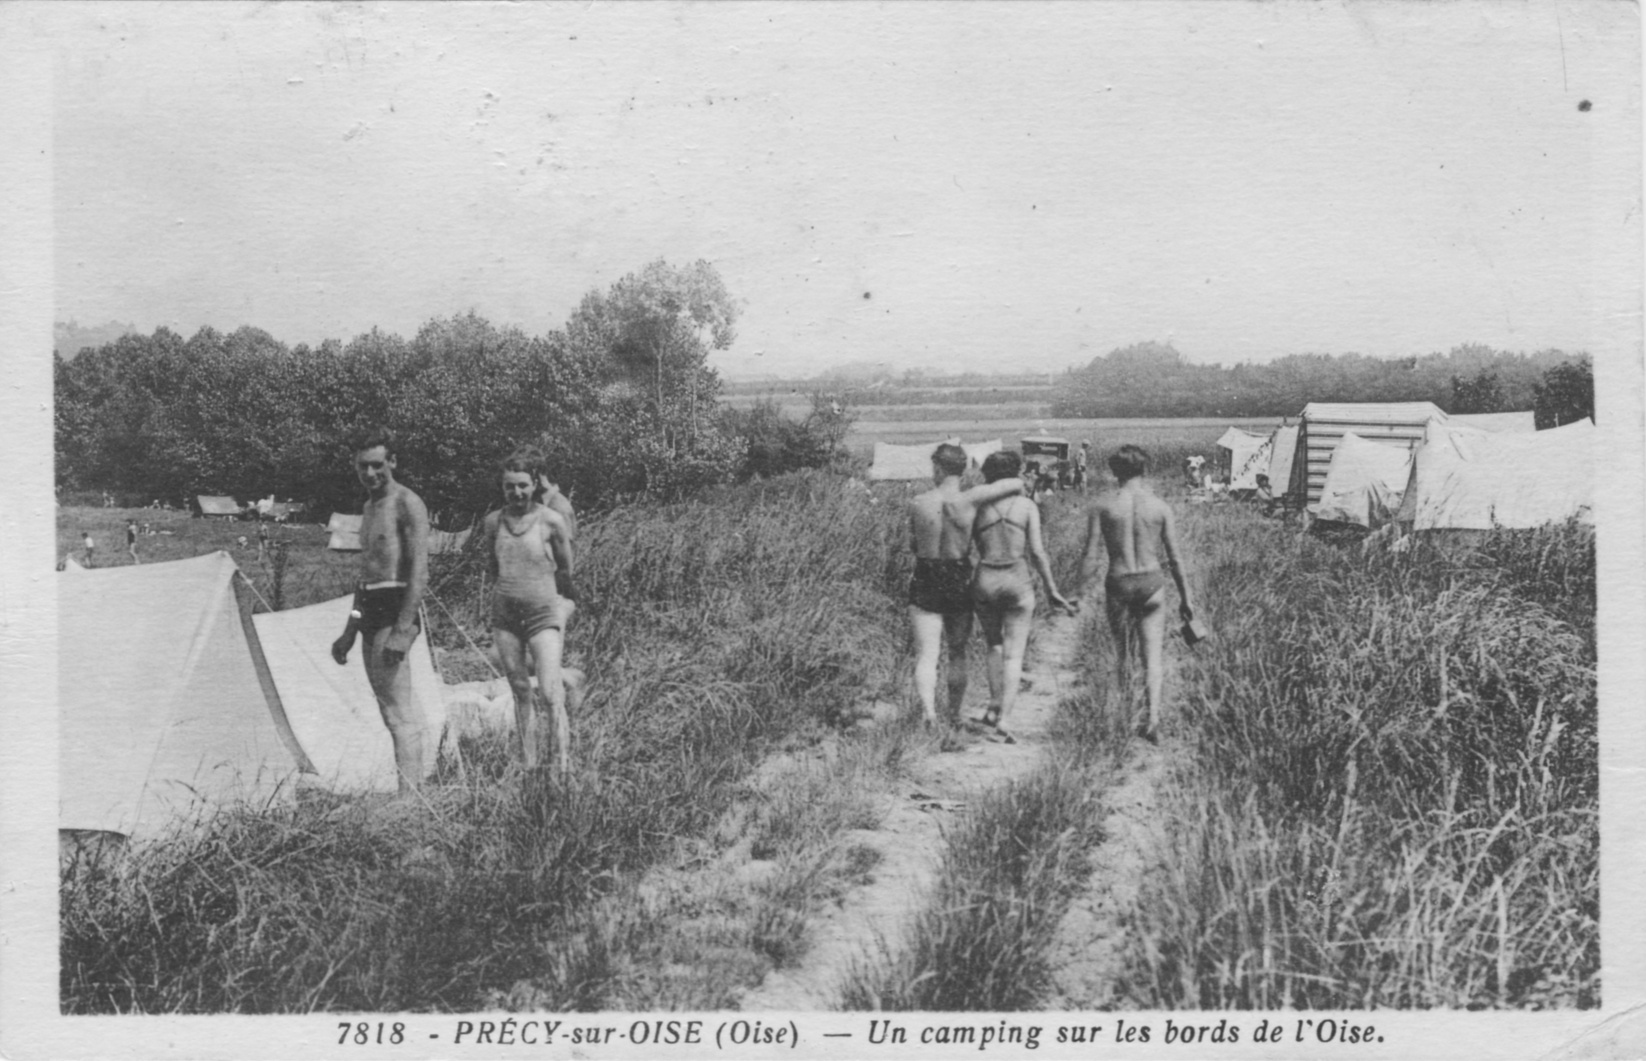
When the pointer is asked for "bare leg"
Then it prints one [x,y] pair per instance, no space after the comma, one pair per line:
[1018,622]
[391,683]
[545,646]
[512,655]
[993,623]
[1151,624]
[957,630]
[928,640]
[577,687]
[1120,626]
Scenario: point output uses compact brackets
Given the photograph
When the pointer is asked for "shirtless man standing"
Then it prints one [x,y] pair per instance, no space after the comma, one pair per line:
[1133,525]
[394,544]
[575,680]
[940,601]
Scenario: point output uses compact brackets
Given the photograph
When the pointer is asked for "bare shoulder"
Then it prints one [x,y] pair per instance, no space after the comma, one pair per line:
[489,524]
[410,506]
[552,518]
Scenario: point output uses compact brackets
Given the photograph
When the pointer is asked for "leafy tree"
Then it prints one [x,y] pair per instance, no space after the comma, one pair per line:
[1482,394]
[1567,394]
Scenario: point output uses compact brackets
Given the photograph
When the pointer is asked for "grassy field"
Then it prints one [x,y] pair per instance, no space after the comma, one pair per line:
[715,633]
[1389,794]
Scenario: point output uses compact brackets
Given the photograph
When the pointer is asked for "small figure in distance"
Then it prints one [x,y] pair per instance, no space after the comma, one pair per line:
[1007,533]
[394,570]
[1133,526]
[940,599]
[131,540]
[1264,495]
[262,538]
[1081,456]
[87,545]
[528,545]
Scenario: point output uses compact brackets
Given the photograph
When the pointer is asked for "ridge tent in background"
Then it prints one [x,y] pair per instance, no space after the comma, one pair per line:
[1282,449]
[345,533]
[165,706]
[1236,454]
[977,452]
[1365,482]
[904,462]
[217,505]
[345,536]
[1466,479]
[1513,423]
[1323,424]
[332,709]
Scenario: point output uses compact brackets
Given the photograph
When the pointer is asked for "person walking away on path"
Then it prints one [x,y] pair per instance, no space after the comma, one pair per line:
[88,546]
[528,545]
[131,540]
[1010,552]
[940,602]
[1132,527]
[262,539]
[394,569]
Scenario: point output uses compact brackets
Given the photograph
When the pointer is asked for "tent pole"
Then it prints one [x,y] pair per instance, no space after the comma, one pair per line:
[253,587]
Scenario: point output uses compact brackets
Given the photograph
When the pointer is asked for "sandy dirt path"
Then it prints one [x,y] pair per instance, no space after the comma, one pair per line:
[910,839]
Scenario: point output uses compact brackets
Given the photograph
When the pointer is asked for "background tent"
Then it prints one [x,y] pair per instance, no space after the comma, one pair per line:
[165,706]
[345,532]
[444,541]
[976,452]
[332,709]
[1282,448]
[1463,479]
[1525,422]
[210,505]
[904,462]
[1365,482]
[1236,451]
[1324,424]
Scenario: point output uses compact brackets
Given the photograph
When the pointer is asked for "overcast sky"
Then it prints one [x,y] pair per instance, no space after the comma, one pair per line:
[977,186]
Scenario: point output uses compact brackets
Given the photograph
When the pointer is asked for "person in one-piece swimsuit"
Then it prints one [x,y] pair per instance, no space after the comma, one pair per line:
[529,545]
[1007,533]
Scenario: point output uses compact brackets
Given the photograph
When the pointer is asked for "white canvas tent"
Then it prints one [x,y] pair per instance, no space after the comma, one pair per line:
[904,462]
[446,541]
[345,536]
[165,705]
[212,505]
[332,709]
[1514,423]
[1463,479]
[1324,424]
[1238,452]
[977,452]
[1282,448]
[345,532]
[1365,482]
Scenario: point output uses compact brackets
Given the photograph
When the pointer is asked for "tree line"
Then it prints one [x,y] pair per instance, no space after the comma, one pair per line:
[1154,379]
[622,400]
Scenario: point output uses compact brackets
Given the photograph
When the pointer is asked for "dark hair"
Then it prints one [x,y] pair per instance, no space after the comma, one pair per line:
[1002,464]
[528,459]
[371,437]
[950,459]
[1129,462]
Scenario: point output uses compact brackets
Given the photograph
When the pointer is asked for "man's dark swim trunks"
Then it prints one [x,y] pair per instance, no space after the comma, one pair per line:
[1134,590]
[942,586]
[380,607]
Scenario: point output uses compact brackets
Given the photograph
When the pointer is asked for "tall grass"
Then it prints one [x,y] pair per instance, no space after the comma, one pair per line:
[1393,798]
[713,632]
